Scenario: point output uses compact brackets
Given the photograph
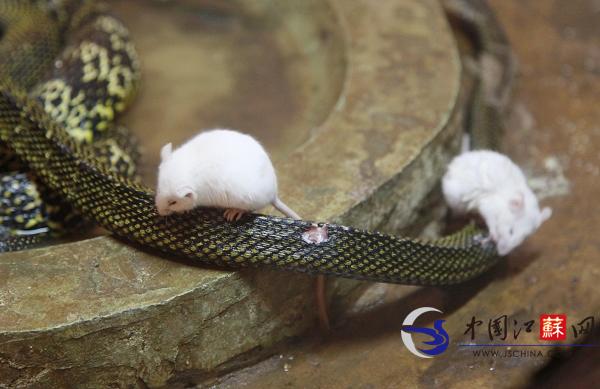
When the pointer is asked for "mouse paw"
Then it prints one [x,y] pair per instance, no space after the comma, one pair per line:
[233,214]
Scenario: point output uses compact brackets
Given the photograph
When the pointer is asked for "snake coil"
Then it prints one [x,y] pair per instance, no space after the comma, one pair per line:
[72,169]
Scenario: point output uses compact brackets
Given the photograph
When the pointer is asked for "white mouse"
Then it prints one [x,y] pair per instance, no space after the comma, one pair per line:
[226,169]
[217,168]
[489,183]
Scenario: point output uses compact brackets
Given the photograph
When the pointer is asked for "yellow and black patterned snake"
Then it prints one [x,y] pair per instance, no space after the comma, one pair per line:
[56,113]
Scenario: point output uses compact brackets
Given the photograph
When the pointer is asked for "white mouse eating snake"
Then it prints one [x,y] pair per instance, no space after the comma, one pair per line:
[224,169]
[492,185]
[218,168]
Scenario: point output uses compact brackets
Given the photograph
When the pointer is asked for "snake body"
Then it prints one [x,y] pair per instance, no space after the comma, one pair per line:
[74,171]
[81,87]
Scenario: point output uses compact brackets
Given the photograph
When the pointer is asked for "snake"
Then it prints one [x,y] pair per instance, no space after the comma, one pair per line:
[99,54]
[62,157]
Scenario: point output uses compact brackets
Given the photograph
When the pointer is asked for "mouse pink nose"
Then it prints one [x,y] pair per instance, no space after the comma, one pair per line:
[163,211]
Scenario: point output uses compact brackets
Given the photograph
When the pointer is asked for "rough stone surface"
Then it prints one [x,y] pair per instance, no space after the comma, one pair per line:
[554,134]
[360,105]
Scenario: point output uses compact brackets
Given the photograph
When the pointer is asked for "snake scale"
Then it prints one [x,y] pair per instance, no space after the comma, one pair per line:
[72,169]
[82,88]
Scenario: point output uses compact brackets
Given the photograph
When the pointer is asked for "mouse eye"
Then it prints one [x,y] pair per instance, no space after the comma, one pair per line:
[172,202]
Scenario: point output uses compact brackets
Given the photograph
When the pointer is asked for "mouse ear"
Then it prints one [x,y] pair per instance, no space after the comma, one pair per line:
[545,214]
[517,202]
[166,151]
[186,191]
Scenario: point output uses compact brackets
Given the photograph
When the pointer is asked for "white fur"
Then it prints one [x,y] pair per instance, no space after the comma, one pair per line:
[217,168]
[492,185]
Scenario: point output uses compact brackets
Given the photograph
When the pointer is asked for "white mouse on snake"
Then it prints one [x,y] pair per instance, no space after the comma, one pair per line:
[489,183]
[225,169]
[218,168]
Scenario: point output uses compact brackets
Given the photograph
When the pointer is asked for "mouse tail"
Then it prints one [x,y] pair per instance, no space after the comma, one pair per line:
[287,211]
[320,282]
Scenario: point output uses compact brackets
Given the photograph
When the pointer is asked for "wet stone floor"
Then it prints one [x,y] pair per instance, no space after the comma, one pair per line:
[554,133]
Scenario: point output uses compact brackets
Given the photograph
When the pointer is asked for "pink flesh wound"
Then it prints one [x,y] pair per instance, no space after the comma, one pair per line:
[316,235]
